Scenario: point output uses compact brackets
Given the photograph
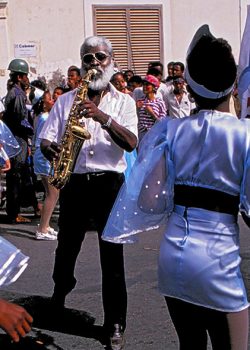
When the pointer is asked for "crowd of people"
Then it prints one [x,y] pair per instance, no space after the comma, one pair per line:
[30,102]
[28,172]
[185,176]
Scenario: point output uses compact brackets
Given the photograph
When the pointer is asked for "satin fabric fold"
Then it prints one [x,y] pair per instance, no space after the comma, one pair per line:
[8,141]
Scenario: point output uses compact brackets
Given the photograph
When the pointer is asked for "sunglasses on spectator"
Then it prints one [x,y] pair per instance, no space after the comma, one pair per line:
[98,56]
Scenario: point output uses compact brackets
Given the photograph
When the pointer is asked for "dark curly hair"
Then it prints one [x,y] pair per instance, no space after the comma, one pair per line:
[39,105]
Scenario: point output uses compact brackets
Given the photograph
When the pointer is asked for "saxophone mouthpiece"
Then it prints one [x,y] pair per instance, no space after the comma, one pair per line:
[89,75]
[94,71]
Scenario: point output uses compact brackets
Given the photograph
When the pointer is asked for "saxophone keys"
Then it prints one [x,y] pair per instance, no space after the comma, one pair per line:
[83,112]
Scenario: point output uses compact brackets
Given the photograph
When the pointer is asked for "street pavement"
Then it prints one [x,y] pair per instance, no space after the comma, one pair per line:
[148,323]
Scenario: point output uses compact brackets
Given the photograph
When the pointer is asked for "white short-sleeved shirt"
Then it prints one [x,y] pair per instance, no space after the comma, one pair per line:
[180,109]
[100,153]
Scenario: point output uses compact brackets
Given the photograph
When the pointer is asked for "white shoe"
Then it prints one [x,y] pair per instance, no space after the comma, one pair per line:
[46,236]
[52,231]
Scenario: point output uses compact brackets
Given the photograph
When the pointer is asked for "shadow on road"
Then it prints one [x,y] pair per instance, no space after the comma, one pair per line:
[40,341]
[67,321]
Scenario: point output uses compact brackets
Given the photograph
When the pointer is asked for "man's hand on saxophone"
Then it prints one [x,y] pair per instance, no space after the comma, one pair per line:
[50,150]
[92,111]
[121,135]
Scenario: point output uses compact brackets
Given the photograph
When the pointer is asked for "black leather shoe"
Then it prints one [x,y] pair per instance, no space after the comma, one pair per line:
[116,338]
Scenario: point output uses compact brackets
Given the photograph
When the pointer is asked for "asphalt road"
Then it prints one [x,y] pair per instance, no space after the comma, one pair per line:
[148,324]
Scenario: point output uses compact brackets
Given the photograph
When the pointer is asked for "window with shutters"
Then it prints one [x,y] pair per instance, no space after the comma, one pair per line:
[135,33]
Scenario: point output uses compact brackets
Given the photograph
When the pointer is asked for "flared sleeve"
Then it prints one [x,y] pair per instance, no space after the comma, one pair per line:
[8,141]
[12,261]
[146,198]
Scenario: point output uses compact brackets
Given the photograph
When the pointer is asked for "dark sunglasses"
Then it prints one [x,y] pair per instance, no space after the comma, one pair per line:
[98,56]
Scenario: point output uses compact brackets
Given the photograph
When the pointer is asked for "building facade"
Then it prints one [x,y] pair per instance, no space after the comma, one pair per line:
[48,34]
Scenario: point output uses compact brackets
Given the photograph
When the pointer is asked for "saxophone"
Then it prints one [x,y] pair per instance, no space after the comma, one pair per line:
[74,136]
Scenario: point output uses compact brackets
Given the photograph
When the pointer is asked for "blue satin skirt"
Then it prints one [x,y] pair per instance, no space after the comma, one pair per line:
[41,164]
[199,260]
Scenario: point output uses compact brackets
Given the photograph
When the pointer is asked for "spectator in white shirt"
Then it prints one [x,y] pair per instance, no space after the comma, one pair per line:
[178,69]
[178,100]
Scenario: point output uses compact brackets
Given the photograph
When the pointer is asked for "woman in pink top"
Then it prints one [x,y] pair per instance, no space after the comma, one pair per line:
[151,108]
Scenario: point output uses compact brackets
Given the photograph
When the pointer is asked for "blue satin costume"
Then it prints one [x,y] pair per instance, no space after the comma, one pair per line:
[199,259]
[8,141]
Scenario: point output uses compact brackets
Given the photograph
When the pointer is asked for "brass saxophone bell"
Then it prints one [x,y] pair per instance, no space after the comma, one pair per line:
[80,132]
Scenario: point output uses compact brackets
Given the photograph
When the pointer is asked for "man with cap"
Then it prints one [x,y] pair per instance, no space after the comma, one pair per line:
[16,118]
[178,100]
[151,108]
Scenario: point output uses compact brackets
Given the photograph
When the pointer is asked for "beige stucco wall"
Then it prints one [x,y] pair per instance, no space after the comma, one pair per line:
[58,27]
[222,17]
[55,27]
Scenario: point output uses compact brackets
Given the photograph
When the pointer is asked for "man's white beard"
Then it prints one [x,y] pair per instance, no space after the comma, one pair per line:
[102,78]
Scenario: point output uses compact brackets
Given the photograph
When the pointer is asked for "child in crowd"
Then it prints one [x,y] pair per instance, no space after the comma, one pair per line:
[134,82]
[58,91]
[119,82]
[42,168]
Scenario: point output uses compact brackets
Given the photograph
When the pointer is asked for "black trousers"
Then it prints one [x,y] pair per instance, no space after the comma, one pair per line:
[20,189]
[85,197]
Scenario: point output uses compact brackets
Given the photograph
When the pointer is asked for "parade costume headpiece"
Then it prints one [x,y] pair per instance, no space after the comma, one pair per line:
[200,89]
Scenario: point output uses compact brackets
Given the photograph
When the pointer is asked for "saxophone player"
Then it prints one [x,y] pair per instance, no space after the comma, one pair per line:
[110,117]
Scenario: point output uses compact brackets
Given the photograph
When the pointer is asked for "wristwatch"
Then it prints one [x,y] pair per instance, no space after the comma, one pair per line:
[107,124]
